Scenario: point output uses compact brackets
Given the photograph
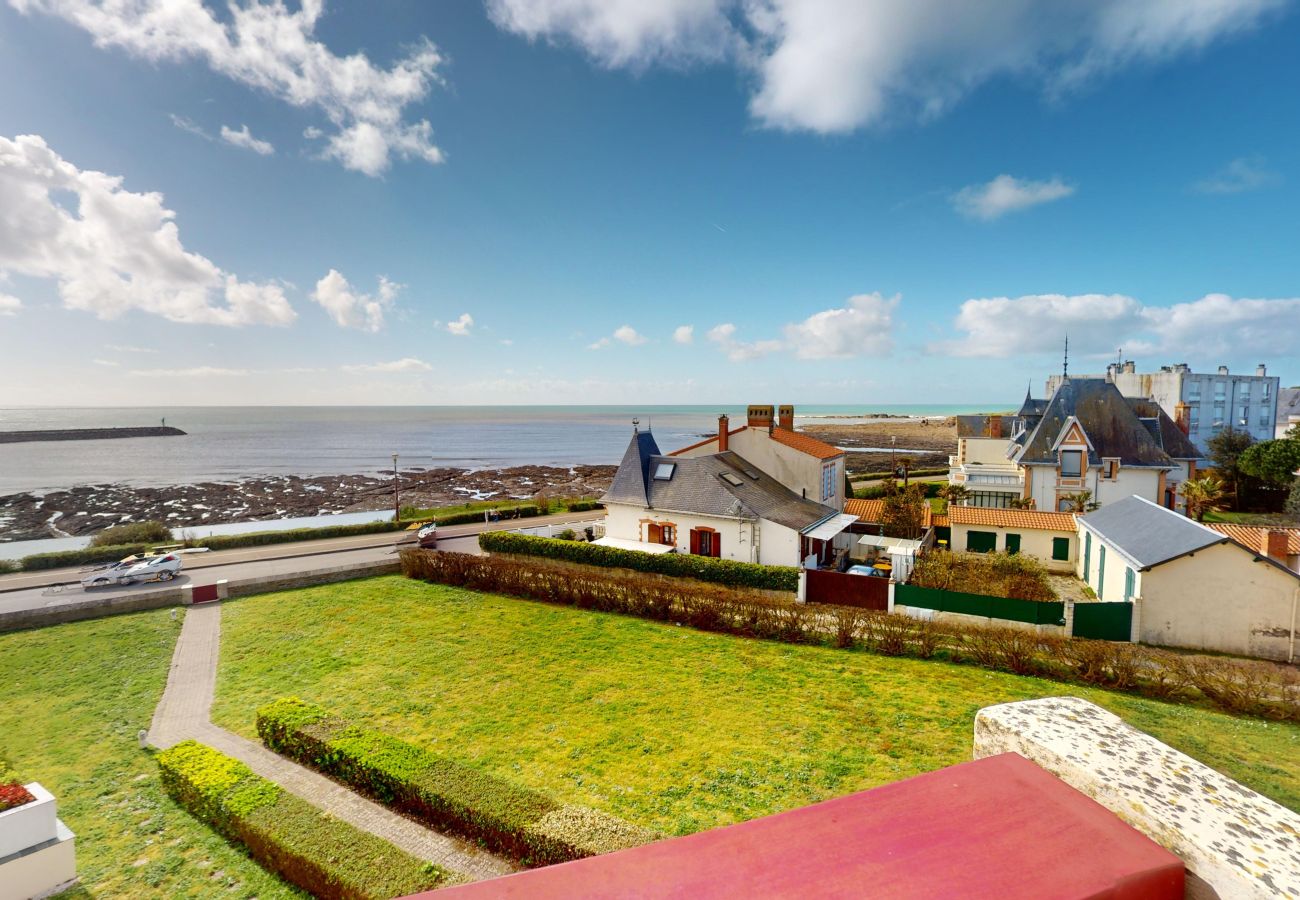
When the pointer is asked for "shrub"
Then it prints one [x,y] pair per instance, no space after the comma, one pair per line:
[261,538]
[149,532]
[305,846]
[86,557]
[1014,576]
[9,565]
[703,568]
[443,792]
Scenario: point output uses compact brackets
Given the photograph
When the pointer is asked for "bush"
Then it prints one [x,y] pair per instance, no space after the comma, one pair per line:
[262,538]
[1015,576]
[703,568]
[929,488]
[9,565]
[86,557]
[149,532]
[445,793]
[305,846]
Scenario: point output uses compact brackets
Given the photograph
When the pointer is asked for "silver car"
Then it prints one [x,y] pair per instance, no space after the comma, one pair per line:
[154,568]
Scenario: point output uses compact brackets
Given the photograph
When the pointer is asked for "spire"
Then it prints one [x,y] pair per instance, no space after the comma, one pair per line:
[1065,365]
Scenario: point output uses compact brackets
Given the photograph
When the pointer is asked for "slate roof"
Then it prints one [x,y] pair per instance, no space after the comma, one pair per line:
[1011,518]
[1164,430]
[1109,421]
[697,487]
[711,439]
[985,426]
[1148,534]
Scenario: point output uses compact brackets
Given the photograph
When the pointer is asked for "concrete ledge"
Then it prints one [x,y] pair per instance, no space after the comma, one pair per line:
[1235,843]
[244,586]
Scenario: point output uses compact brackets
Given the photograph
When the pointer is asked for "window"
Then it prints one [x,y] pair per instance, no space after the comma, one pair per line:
[1194,392]
[981,541]
[1263,418]
[664,471]
[828,481]
[1071,463]
[706,542]
[733,480]
[1061,548]
[1013,544]
[1266,389]
[1110,468]
[668,534]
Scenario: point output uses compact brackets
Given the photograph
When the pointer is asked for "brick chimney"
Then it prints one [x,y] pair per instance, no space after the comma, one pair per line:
[1273,545]
[995,426]
[1183,417]
[785,417]
[760,416]
[723,430]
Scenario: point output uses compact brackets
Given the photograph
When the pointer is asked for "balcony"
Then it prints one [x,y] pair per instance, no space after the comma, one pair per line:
[977,475]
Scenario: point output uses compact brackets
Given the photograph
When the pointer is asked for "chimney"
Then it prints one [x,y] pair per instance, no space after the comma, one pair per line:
[1130,367]
[1273,545]
[1223,370]
[1183,417]
[1261,370]
[785,417]
[722,433]
[995,426]
[760,416]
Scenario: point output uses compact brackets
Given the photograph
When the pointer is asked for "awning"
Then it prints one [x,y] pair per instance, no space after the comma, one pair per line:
[891,544]
[633,545]
[831,527]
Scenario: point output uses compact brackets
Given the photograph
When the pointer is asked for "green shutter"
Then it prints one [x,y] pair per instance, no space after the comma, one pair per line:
[1101,570]
[981,541]
[1128,583]
[1060,548]
[1013,543]
[1087,557]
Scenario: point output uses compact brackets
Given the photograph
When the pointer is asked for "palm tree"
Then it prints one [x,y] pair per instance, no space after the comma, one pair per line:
[906,463]
[1081,502]
[1020,503]
[955,494]
[1204,494]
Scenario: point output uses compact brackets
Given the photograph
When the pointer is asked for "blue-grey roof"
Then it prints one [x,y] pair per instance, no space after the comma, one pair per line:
[629,485]
[1149,534]
[1112,426]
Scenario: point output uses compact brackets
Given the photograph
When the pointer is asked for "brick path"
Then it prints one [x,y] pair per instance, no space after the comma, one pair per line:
[184,712]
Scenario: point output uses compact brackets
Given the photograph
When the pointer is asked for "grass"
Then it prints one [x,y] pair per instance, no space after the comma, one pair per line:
[1248,518]
[667,727]
[72,700]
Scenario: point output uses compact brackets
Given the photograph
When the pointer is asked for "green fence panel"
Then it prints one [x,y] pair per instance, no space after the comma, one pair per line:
[1031,611]
[1103,621]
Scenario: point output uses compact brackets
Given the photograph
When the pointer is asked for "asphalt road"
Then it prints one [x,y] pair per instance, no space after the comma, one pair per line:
[37,590]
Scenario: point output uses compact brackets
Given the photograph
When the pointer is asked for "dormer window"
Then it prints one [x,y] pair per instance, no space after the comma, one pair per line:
[1109,468]
[1071,463]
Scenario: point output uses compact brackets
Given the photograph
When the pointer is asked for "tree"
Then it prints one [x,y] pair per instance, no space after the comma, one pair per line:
[1204,494]
[1272,461]
[1080,503]
[1225,449]
[1293,501]
[904,512]
[906,463]
[955,494]
[149,532]
[1020,503]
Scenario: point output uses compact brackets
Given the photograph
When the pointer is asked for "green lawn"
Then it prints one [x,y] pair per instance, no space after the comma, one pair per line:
[72,700]
[665,726]
[1247,518]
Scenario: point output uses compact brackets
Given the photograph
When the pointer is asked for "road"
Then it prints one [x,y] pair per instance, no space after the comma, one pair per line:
[38,590]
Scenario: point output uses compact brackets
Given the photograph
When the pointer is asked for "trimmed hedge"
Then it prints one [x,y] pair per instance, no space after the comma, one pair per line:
[876,492]
[290,837]
[85,557]
[703,568]
[261,538]
[447,794]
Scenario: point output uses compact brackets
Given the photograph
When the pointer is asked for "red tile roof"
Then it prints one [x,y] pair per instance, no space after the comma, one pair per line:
[1252,536]
[871,511]
[1011,518]
[806,443]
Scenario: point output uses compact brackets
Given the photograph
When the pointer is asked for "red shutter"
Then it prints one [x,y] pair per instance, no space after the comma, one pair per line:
[695,541]
[715,542]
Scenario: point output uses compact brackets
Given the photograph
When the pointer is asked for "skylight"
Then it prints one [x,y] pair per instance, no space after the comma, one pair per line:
[664,471]
[752,474]
[731,479]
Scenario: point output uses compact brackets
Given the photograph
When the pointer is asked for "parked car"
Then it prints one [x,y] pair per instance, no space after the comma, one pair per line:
[154,568]
[867,570]
[428,536]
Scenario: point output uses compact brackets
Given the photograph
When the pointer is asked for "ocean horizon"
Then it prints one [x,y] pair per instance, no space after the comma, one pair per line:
[227,443]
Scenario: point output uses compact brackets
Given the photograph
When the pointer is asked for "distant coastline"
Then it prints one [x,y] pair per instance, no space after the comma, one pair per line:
[87,434]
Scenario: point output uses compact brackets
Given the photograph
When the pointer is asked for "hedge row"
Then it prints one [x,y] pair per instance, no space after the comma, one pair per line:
[300,843]
[447,794]
[85,557]
[1238,686]
[703,568]
[876,492]
[262,538]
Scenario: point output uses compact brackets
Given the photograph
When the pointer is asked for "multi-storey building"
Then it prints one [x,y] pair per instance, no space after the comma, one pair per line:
[1205,403]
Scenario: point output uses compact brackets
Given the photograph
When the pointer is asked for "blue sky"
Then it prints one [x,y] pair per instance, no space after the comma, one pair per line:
[842,202]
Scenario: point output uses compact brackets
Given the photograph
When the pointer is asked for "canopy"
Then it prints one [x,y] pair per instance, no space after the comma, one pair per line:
[826,530]
[633,545]
[891,544]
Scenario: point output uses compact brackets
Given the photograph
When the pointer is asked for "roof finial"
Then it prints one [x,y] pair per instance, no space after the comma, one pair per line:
[635,423]
[1065,366]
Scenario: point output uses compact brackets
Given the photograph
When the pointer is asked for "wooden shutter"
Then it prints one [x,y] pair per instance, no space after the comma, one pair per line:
[695,541]
[715,544]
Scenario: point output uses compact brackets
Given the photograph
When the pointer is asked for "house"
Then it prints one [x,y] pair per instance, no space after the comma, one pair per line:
[1206,403]
[1282,544]
[1086,437]
[1050,537]
[811,468]
[717,504]
[1288,411]
[1191,586]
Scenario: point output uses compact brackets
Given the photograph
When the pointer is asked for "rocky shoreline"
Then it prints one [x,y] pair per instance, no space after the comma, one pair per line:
[86,509]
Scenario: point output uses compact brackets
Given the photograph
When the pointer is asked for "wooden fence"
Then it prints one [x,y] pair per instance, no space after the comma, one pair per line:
[865,591]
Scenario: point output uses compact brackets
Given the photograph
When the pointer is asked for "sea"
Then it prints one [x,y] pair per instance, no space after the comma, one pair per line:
[231,443]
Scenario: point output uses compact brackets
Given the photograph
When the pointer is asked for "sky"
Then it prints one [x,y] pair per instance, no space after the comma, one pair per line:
[639,201]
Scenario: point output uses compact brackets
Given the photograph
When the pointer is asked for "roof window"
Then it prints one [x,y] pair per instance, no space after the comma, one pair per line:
[731,479]
[664,471]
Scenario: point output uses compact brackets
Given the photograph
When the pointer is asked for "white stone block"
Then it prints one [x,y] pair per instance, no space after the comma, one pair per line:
[1236,843]
[30,824]
[42,871]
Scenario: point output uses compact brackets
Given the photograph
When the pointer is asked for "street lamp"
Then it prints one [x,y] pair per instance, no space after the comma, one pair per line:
[397,503]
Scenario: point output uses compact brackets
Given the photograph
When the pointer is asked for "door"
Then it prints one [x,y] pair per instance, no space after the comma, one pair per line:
[1013,543]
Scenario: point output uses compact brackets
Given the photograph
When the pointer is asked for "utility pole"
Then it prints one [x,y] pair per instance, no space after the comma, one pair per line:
[893,467]
[397,501]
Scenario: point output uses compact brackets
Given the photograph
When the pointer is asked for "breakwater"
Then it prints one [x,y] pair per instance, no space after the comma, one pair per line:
[87,434]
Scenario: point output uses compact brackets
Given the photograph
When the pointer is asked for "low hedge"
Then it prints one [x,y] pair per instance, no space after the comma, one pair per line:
[876,492]
[447,794]
[703,568]
[262,538]
[84,557]
[290,837]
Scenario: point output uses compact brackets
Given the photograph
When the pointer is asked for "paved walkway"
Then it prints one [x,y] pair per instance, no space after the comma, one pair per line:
[185,712]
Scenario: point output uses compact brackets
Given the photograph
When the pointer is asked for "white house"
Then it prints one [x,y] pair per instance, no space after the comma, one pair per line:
[1191,586]
[718,504]
[1050,537]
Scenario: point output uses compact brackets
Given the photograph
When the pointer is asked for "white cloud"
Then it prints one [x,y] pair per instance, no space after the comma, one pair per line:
[461,326]
[189,126]
[862,327]
[1246,173]
[507,342]
[244,138]
[836,65]
[9,305]
[599,344]
[624,334]
[105,362]
[1006,194]
[1099,324]
[350,309]
[110,250]
[126,348]
[684,334]
[272,48]
[724,336]
[196,372]
[406,364]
